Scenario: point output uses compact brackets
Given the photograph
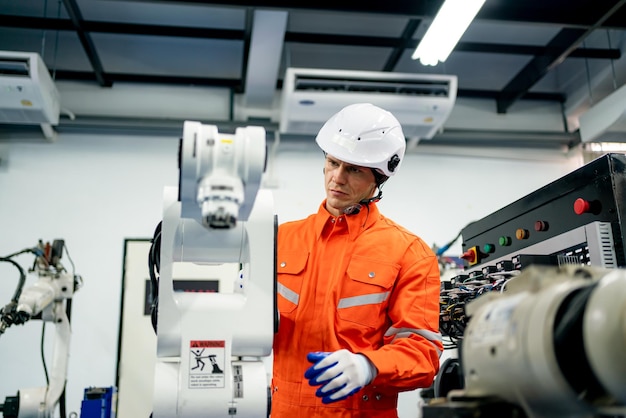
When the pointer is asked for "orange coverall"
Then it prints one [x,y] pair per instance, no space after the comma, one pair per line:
[363,283]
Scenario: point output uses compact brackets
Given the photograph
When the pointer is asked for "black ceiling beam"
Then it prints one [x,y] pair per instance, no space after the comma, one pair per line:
[536,68]
[247,39]
[30,22]
[617,9]
[90,49]
[387,42]
[494,94]
[232,83]
[566,13]
[591,53]
[162,30]
[24,22]
[389,7]
[557,50]
[581,14]
[405,39]
[352,40]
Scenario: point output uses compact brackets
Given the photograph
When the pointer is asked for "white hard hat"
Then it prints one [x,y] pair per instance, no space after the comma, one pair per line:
[365,135]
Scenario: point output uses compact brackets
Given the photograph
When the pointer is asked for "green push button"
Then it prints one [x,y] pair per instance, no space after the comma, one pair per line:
[504,241]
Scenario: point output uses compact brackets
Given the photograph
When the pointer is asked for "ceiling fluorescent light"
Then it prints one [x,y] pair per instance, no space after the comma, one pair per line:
[451,21]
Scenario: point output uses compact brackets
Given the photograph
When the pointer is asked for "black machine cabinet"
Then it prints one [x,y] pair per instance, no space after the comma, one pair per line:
[592,194]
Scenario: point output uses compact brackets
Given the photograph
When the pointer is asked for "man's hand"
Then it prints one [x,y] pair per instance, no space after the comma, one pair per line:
[341,373]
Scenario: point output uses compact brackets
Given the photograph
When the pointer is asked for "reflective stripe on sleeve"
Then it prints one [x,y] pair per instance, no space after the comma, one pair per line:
[405,332]
[362,300]
[288,294]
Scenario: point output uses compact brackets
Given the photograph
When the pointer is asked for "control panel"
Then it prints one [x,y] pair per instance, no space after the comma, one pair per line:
[575,219]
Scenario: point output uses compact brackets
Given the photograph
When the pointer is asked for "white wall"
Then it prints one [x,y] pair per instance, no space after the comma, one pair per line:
[95,191]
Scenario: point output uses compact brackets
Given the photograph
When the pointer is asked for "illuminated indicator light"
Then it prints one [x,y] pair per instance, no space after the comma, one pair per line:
[581,206]
[26,102]
[522,234]
[541,226]
[489,248]
[226,141]
[504,241]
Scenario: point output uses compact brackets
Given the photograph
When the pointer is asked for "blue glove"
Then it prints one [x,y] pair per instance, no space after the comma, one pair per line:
[341,374]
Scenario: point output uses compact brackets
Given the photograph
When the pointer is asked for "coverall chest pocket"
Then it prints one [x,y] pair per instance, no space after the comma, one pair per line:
[290,266]
[365,293]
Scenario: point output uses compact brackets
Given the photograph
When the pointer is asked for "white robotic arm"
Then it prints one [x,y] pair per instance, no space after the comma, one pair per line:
[220,174]
[45,299]
[40,297]
[210,345]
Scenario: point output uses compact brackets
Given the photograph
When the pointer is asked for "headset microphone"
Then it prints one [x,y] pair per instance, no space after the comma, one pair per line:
[352,209]
[356,208]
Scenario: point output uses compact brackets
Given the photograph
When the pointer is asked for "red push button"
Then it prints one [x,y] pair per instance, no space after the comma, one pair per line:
[581,206]
[541,226]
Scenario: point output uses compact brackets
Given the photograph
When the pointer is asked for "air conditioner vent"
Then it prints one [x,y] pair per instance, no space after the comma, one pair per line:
[14,67]
[421,102]
[402,87]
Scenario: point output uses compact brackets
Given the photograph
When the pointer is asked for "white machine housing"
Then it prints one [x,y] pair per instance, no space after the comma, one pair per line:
[29,95]
[232,331]
[421,102]
[510,345]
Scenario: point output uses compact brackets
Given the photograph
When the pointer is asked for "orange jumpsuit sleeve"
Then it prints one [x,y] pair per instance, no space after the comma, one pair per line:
[409,358]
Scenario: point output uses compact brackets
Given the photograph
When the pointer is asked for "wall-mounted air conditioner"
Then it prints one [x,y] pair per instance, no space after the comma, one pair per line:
[421,102]
[27,92]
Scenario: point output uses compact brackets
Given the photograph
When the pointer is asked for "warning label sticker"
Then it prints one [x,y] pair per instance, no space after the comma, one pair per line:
[206,364]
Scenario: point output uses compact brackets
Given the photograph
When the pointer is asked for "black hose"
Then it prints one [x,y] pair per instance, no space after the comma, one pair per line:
[154,268]
[20,286]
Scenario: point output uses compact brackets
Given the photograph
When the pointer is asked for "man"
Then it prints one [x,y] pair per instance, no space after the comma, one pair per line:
[358,294]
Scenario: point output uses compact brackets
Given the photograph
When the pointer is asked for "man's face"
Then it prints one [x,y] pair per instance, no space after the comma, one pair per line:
[346,184]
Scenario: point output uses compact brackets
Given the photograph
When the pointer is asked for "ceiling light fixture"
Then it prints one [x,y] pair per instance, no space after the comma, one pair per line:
[449,24]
